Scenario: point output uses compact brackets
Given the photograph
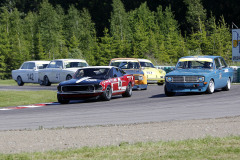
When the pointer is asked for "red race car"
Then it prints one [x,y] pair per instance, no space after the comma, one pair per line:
[96,82]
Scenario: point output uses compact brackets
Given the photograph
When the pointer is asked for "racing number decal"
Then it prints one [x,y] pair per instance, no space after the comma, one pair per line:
[30,76]
[119,82]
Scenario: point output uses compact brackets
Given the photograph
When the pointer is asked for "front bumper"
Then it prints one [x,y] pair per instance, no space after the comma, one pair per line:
[140,86]
[155,80]
[186,87]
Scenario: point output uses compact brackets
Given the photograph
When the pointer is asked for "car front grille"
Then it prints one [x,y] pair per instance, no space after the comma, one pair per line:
[187,79]
[87,88]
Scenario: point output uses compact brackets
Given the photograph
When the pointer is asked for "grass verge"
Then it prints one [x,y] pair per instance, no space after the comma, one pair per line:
[207,148]
[9,82]
[16,98]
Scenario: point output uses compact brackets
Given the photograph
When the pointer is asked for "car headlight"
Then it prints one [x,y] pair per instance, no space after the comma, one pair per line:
[200,79]
[169,79]
[140,78]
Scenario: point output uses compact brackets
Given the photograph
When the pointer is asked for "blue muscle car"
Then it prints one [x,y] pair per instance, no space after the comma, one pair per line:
[199,74]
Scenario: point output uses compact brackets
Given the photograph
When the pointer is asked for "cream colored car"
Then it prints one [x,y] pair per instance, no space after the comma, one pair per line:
[60,70]
[154,75]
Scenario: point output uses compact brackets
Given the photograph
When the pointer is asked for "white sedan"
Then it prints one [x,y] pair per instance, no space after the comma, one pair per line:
[28,72]
[60,70]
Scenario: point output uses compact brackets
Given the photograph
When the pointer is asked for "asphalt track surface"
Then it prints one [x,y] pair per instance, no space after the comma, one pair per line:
[143,107]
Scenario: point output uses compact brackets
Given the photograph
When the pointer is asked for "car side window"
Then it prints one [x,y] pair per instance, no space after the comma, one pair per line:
[223,63]
[59,64]
[51,64]
[217,64]
[31,65]
[119,73]
[24,66]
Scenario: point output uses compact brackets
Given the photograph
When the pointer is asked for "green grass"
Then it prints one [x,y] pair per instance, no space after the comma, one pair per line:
[195,149]
[9,82]
[16,98]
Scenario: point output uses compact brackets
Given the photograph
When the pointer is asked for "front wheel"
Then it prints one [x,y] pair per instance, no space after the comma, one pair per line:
[128,92]
[168,93]
[228,85]
[61,100]
[46,81]
[19,81]
[211,87]
[68,77]
[107,94]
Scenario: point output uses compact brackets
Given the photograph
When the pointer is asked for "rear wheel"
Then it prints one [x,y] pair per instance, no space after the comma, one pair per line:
[46,81]
[107,94]
[128,92]
[228,85]
[61,100]
[167,93]
[19,81]
[68,77]
[211,87]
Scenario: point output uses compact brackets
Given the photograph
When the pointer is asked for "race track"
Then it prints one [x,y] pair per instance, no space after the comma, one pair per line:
[143,107]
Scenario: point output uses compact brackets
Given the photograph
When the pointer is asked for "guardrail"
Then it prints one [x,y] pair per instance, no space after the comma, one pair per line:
[236,71]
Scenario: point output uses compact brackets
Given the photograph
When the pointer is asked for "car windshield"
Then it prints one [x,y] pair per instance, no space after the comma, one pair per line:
[146,64]
[96,73]
[75,64]
[126,65]
[194,65]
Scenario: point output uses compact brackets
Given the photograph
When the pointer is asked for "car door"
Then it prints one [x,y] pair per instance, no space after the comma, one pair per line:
[57,74]
[31,72]
[23,72]
[218,74]
[225,71]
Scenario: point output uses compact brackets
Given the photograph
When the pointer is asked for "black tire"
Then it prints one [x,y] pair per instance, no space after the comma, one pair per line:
[68,77]
[61,100]
[19,81]
[107,94]
[211,86]
[167,93]
[228,86]
[128,92]
[46,81]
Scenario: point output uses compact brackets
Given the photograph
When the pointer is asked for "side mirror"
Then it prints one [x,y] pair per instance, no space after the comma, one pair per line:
[114,75]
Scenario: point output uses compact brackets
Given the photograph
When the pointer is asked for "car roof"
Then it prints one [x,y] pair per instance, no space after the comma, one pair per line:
[204,56]
[38,61]
[124,59]
[71,60]
[100,67]
[144,60]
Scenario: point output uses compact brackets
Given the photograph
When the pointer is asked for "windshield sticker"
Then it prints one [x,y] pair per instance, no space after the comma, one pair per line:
[196,59]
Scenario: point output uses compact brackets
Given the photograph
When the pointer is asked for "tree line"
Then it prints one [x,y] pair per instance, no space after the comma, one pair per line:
[51,31]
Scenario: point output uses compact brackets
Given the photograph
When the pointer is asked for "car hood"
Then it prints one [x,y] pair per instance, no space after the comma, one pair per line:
[133,71]
[82,81]
[179,72]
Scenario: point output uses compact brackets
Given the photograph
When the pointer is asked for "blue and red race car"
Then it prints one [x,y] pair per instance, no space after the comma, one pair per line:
[96,82]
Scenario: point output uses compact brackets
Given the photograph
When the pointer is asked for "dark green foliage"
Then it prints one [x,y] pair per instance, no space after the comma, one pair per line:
[97,31]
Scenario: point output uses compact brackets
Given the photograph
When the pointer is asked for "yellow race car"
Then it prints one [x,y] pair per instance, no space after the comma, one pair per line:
[154,75]
[132,66]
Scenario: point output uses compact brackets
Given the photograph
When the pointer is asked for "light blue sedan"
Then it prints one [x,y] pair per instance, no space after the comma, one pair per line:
[199,74]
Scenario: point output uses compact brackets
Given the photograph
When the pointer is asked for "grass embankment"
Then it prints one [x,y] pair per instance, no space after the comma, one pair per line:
[207,148]
[17,98]
[9,82]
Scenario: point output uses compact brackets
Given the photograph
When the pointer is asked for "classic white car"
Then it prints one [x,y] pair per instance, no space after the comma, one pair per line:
[28,72]
[60,70]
